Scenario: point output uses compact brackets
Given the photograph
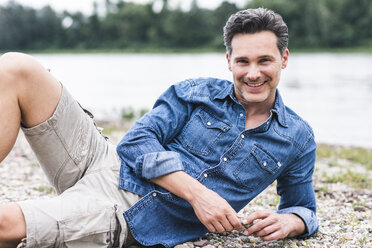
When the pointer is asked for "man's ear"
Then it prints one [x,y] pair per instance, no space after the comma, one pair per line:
[285,58]
[228,61]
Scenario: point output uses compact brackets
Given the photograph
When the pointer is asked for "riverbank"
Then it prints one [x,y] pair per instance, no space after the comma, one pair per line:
[342,181]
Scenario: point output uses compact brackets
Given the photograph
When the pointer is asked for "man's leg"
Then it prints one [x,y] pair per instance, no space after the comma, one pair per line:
[28,95]
[12,225]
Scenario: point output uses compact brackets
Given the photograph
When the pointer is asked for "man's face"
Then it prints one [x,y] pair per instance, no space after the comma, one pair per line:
[256,63]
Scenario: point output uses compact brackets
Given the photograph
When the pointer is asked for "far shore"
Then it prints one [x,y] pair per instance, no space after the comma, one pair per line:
[150,50]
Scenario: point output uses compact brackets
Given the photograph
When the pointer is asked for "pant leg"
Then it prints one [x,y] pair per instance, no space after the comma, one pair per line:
[88,214]
[84,169]
[65,144]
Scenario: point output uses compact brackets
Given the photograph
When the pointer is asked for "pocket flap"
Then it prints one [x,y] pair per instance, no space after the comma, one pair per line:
[210,121]
[265,160]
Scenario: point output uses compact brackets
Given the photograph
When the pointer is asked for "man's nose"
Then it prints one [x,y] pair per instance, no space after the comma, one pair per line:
[253,73]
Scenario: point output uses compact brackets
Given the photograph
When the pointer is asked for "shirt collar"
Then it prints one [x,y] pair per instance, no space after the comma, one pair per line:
[278,109]
[227,91]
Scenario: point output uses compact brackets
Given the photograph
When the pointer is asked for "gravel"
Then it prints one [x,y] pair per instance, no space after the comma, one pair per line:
[344,209]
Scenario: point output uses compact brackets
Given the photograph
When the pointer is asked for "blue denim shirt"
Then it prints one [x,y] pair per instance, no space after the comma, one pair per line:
[198,126]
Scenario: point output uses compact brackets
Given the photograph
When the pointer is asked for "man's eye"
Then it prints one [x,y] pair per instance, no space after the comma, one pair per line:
[242,61]
[264,60]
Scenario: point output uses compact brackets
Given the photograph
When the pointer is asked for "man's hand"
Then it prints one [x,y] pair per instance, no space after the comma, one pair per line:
[214,212]
[269,225]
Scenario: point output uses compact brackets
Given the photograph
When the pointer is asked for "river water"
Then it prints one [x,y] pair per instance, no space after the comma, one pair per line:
[333,92]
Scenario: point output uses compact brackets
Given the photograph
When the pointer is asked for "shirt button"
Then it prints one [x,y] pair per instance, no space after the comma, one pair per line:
[208,123]
[225,159]
[279,164]
[205,175]
[241,115]
[264,163]
[154,194]
[242,136]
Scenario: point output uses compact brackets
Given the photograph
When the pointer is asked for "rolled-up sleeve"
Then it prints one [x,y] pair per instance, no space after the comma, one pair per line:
[143,148]
[308,217]
[297,192]
[157,164]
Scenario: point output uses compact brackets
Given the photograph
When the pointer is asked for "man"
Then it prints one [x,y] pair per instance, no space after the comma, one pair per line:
[206,149]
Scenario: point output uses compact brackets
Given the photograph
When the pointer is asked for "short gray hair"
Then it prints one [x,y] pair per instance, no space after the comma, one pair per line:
[251,21]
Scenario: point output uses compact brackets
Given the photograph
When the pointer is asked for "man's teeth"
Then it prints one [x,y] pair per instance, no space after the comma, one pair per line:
[255,85]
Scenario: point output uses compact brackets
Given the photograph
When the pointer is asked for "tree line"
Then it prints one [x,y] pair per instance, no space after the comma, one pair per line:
[126,25]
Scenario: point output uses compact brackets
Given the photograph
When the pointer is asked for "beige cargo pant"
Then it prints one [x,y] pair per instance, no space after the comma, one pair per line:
[84,169]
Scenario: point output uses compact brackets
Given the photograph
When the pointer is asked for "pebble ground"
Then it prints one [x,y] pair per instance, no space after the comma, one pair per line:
[344,210]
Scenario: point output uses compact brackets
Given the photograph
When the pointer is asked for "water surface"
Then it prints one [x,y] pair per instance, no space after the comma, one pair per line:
[333,92]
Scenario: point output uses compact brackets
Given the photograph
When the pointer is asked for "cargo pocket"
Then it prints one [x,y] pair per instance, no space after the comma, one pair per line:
[91,116]
[92,230]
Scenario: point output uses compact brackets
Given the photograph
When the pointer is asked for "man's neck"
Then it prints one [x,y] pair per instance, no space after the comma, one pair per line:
[257,113]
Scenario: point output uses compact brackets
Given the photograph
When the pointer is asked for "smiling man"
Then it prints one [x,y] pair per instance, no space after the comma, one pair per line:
[204,151]
[215,145]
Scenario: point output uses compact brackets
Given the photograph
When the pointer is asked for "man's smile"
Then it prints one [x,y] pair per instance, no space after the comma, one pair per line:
[255,84]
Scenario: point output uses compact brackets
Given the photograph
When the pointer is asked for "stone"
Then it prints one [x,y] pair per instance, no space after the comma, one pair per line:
[201,243]
[190,244]
[182,246]
[347,237]
[359,209]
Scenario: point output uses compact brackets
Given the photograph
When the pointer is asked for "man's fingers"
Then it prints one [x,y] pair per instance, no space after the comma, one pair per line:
[235,222]
[226,225]
[272,236]
[218,226]
[210,228]
[266,231]
[256,215]
[264,220]
[260,225]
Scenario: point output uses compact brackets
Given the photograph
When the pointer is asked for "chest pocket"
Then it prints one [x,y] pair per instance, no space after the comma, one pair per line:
[202,133]
[256,168]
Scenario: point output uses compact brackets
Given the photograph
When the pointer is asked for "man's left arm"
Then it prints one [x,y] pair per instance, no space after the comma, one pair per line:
[296,215]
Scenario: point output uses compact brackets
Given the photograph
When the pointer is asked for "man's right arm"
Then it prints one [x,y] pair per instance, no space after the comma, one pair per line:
[142,149]
[213,211]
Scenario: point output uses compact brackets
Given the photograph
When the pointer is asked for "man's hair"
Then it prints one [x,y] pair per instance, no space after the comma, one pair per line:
[251,21]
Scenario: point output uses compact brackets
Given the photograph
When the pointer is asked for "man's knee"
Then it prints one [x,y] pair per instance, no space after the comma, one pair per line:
[16,66]
[12,222]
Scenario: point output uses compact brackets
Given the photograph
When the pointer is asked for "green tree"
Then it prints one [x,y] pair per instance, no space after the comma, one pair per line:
[17,26]
[74,37]
[188,29]
[49,33]
[218,20]
[130,25]
[350,22]
[312,24]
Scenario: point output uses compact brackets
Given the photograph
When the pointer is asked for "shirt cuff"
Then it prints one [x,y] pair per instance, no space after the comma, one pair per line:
[308,217]
[157,164]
